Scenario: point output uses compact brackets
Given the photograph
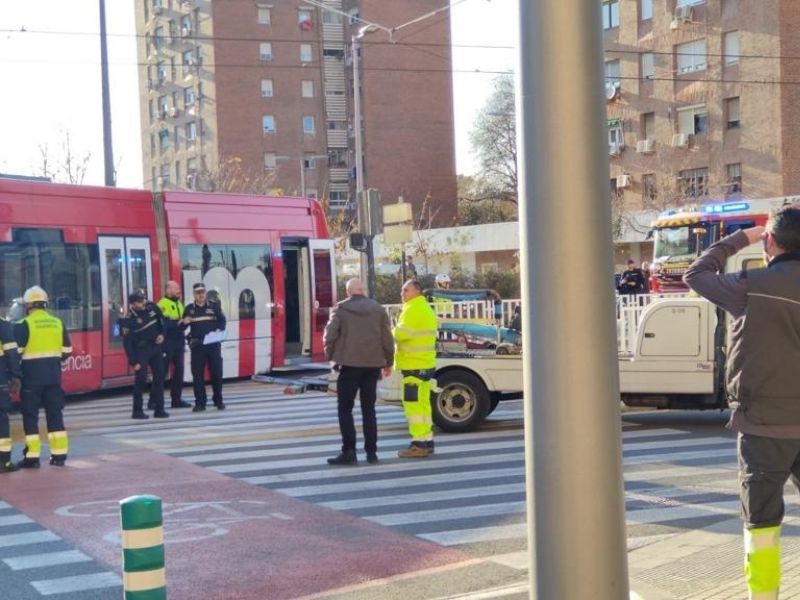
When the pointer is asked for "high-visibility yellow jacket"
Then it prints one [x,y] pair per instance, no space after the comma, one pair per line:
[415,336]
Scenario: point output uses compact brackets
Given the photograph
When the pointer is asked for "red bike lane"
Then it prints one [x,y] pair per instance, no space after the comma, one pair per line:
[225,539]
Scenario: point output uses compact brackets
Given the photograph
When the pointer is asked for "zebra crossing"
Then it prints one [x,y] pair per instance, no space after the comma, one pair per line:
[470,495]
[35,563]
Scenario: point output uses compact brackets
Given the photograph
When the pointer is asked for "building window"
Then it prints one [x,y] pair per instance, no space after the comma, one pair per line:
[732,113]
[163,139]
[191,131]
[611,14]
[305,53]
[694,182]
[158,38]
[337,158]
[648,65]
[307,89]
[264,15]
[612,72]
[693,120]
[268,123]
[355,17]
[308,125]
[304,19]
[730,47]
[152,145]
[615,135]
[649,187]
[691,56]
[270,160]
[333,18]
[187,60]
[164,175]
[265,51]
[733,178]
[177,172]
[188,97]
[645,10]
[311,193]
[309,161]
[161,71]
[266,88]
[338,197]
[186,25]
[163,106]
[648,126]
[681,3]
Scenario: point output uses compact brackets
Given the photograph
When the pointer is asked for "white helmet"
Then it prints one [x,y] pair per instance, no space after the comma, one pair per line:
[442,278]
[34,294]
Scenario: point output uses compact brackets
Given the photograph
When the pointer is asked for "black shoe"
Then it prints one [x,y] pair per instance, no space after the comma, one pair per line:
[198,408]
[58,461]
[430,446]
[161,414]
[140,415]
[8,467]
[344,458]
[372,458]
[220,405]
[29,463]
[180,404]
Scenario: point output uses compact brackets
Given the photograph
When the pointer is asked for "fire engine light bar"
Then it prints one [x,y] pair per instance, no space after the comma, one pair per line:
[727,207]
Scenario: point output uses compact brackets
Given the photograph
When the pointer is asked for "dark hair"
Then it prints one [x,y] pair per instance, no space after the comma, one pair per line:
[784,225]
[415,284]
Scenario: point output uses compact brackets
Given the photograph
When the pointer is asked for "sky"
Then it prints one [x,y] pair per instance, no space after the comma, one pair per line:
[51,80]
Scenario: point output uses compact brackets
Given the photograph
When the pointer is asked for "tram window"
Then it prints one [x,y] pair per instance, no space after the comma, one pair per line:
[69,273]
[734,226]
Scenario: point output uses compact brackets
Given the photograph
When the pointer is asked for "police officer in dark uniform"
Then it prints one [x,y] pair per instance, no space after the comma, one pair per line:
[174,345]
[202,317]
[10,385]
[142,336]
[43,343]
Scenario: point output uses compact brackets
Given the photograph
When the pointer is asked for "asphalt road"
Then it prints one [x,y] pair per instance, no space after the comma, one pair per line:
[252,510]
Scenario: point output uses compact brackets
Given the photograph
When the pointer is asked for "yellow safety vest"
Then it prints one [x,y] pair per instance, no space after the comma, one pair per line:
[171,309]
[45,336]
[415,336]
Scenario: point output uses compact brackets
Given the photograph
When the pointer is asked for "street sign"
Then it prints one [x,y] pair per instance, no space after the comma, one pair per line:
[397,234]
[397,213]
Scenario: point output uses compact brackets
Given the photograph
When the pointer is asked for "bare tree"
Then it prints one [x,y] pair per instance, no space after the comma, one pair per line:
[494,139]
[69,168]
[231,175]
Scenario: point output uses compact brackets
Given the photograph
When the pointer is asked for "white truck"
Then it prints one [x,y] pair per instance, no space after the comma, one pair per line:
[671,351]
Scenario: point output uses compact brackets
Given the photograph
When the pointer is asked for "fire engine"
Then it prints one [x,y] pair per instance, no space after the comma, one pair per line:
[681,235]
[268,261]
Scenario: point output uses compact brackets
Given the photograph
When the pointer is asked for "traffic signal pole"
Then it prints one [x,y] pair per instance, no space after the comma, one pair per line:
[573,453]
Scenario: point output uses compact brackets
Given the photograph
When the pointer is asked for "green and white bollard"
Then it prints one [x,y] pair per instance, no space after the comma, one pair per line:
[143,574]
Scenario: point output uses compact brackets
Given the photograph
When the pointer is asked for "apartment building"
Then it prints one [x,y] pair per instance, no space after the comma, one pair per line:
[266,89]
[703,100]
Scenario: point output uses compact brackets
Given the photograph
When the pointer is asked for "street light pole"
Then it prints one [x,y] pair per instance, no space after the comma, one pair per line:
[367,258]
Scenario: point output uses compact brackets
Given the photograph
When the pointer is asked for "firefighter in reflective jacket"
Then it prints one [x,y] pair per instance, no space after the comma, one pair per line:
[202,317]
[174,345]
[142,337]
[43,343]
[10,384]
[415,357]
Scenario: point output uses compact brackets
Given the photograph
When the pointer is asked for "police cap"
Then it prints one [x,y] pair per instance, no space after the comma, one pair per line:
[136,297]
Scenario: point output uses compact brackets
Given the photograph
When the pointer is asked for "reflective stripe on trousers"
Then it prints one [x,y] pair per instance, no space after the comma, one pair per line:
[417,407]
[59,443]
[762,562]
[33,446]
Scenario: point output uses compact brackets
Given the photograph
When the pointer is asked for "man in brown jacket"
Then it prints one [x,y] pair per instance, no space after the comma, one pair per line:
[358,340]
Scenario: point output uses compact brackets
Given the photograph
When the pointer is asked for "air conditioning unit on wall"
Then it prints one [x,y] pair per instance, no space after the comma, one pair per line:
[680,140]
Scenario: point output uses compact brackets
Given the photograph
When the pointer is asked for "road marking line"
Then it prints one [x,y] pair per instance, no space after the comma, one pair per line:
[31,537]
[77,583]
[489,593]
[14,520]
[49,559]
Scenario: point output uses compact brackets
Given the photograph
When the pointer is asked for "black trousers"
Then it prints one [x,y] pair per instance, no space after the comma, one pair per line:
[173,356]
[365,381]
[5,429]
[152,357]
[211,355]
[49,397]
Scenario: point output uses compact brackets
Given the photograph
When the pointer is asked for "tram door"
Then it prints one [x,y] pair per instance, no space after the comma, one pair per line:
[125,266]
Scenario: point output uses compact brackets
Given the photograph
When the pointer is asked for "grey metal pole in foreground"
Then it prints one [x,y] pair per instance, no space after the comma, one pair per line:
[108,152]
[572,422]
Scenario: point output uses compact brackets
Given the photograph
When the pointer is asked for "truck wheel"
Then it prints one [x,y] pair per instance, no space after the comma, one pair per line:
[463,402]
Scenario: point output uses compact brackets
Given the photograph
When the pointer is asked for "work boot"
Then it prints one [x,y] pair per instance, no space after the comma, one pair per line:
[29,463]
[372,458]
[220,405]
[429,445]
[161,414]
[198,408]
[415,450]
[344,458]
[8,467]
[151,405]
[58,461]
[180,404]
[140,415]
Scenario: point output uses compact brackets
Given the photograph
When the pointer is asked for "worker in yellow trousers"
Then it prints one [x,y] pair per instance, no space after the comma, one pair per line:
[415,357]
